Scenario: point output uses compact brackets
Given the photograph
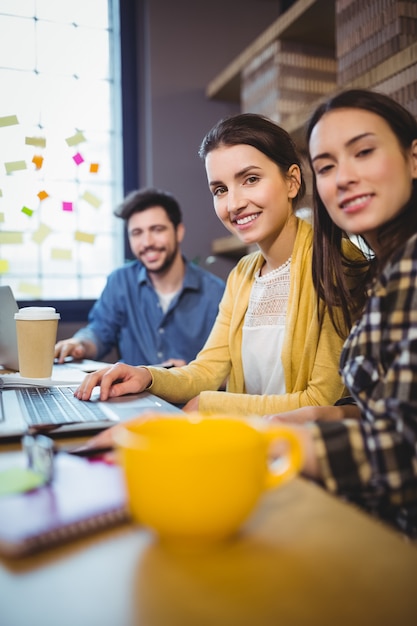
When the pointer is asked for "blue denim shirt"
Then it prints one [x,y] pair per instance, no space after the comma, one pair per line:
[128,315]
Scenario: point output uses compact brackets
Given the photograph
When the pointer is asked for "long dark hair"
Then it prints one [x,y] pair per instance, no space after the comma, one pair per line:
[261,133]
[332,269]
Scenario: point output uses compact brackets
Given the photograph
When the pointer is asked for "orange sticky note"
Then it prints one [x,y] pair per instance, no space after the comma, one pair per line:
[94,168]
[38,161]
[42,195]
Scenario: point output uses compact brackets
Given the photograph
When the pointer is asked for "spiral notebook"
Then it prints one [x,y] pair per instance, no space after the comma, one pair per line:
[84,496]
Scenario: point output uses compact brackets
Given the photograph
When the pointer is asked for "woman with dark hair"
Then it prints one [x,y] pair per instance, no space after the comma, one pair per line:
[363,152]
[273,340]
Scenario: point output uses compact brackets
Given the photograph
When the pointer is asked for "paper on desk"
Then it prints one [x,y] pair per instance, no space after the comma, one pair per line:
[61,375]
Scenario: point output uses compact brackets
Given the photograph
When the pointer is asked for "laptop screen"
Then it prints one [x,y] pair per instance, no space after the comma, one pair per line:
[8,340]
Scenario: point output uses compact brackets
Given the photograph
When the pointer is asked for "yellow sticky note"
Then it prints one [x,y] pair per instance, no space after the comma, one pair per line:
[1,217]
[39,142]
[75,139]
[30,290]
[14,166]
[38,161]
[41,234]
[8,120]
[4,266]
[42,195]
[84,237]
[91,199]
[11,237]
[94,168]
[61,254]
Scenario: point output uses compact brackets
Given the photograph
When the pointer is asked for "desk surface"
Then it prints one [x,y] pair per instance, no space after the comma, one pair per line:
[303,558]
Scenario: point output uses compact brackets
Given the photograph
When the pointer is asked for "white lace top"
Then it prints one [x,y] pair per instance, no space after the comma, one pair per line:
[263,332]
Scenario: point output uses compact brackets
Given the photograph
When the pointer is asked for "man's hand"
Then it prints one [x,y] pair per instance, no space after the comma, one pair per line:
[75,348]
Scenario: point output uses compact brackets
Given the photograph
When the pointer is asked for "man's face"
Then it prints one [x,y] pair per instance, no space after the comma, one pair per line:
[153,238]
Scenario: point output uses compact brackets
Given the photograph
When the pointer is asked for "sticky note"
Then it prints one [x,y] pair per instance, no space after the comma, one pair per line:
[78,159]
[42,195]
[27,211]
[4,266]
[38,161]
[61,254]
[1,217]
[75,139]
[11,237]
[91,199]
[14,166]
[84,237]
[39,142]
[19,480]
[67,206]
[8,120]
[41,233]
[30,290]
[94,168]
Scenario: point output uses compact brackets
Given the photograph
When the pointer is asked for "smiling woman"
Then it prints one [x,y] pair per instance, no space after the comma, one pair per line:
[272,340]
[363,147]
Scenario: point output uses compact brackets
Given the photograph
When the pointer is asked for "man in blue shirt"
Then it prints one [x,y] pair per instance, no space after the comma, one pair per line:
[157,309]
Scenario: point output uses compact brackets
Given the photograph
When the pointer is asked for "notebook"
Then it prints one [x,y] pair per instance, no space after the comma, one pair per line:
[84,497]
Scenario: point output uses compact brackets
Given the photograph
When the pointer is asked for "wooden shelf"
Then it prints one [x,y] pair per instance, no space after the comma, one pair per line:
[310,21]
[230,247]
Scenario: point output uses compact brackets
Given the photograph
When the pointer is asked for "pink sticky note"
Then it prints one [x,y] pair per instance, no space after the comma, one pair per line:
[78,158]
[67,206]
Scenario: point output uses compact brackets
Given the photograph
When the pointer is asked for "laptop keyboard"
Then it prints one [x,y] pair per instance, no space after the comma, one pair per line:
[58,405]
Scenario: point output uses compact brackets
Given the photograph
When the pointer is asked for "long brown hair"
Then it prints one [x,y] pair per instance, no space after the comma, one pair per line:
[341,281]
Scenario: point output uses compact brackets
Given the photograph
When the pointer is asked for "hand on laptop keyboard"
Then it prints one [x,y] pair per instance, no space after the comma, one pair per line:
[117,380]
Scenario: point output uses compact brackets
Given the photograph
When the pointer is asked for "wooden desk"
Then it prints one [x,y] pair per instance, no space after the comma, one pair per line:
[303,559]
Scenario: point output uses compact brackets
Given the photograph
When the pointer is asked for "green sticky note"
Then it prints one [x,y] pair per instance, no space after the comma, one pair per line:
[19,480]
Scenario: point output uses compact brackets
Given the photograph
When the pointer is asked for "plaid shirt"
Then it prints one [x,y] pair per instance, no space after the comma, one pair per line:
[373,462]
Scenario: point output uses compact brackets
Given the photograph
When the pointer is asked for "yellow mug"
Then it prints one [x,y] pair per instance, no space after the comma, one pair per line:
[199,477]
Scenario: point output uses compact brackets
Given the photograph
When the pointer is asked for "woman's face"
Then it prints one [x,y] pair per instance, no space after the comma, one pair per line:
[363,176]
[251,196]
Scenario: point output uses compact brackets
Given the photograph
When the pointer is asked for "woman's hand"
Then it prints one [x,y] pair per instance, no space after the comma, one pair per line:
[192,405]
[315,413]
[116,380]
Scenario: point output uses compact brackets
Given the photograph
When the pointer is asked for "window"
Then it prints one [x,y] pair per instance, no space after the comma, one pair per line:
[60,147]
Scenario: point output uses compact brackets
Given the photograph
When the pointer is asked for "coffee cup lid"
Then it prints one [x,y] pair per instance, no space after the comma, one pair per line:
[37,313]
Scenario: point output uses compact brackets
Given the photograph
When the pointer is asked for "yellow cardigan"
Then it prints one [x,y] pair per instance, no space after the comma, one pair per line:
[310,353]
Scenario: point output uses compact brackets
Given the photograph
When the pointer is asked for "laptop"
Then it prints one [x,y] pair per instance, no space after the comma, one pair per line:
[53,409]
[8,339]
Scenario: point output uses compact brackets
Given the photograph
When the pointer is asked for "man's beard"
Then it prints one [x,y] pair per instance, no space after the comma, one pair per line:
[166,265]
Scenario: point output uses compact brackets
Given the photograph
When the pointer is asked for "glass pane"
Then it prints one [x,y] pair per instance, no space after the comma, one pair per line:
[59,134]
